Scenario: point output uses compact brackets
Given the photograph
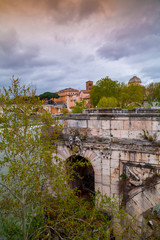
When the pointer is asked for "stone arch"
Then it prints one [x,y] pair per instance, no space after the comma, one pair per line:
[64,152]
[84,179]
[143,200]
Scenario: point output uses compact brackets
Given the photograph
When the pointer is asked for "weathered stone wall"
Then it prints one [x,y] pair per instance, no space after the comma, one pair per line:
[112,140]
[128,126]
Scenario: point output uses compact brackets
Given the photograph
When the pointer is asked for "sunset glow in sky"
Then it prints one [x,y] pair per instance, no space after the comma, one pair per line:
[54,44]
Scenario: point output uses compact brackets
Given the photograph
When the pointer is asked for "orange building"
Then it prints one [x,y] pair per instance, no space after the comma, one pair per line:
[70,96]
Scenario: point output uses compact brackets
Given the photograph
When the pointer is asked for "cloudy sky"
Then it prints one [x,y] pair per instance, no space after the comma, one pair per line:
[54,44]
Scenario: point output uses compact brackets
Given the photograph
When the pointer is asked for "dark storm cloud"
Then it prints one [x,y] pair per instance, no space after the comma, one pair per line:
[128,47]
[21,58]
[139,34]
[8,41]
[15,56]
[62,43]
[62,11]
[13,53]
[87,8]
[68,10]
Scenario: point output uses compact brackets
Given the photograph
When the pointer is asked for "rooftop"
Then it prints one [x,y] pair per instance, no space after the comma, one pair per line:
[135,79]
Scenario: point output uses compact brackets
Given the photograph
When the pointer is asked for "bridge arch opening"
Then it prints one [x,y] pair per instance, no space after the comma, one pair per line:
[83,176]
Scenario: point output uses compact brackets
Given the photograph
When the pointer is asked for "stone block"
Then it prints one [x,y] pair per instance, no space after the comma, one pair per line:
[94,124]
[144,157]
[124,134]
[114,175]
[105,124]
[148,157]
[106,171]
[114,163]
[116,125]
[98,178]
[94,132]
[123,118]
[82,123]
[61,154]
[114,190]
[131,207]
[125,155]
[138,157]
[134,134]
[155,126]
[104,133]
[97,166]
[158,135]
[98,187]
[147,125]
[136,125]
[106,165]
[115,154]
[126,125]
[96,161]
[116,133]
[87,154]
[132,156]
[154,159]
[97,170]
[114,181]
[122,155]
[92,156]
[93,117]
[106,179]
[73,123]
[106,190]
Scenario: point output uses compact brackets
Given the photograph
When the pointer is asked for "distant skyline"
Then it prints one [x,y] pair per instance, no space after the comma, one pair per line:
[55,44]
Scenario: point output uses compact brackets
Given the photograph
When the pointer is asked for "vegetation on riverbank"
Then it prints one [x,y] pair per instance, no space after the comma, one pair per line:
[36,200]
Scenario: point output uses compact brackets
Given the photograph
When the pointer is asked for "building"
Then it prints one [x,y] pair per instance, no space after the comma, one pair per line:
[135,80]
[70,96]
[89,85]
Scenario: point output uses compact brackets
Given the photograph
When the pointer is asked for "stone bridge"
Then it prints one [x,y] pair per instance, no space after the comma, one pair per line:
[123,148]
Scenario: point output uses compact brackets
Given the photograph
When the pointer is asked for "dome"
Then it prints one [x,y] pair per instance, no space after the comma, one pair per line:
[135,80]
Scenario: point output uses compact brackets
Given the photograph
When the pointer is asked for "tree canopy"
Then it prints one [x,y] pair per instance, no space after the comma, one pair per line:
[104,88]
[25,160]
[109,93]
[109,102]
[132,96]
[48,95]
[153,92]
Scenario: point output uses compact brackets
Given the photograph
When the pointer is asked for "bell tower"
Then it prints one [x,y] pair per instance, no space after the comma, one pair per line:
[89,85]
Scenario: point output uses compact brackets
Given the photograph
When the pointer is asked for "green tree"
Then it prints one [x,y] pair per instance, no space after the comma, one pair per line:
[153,92]
[48,96]
[26,153]
[104,88]
[132,96]
[36,200]
[109,102]
[78,108]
